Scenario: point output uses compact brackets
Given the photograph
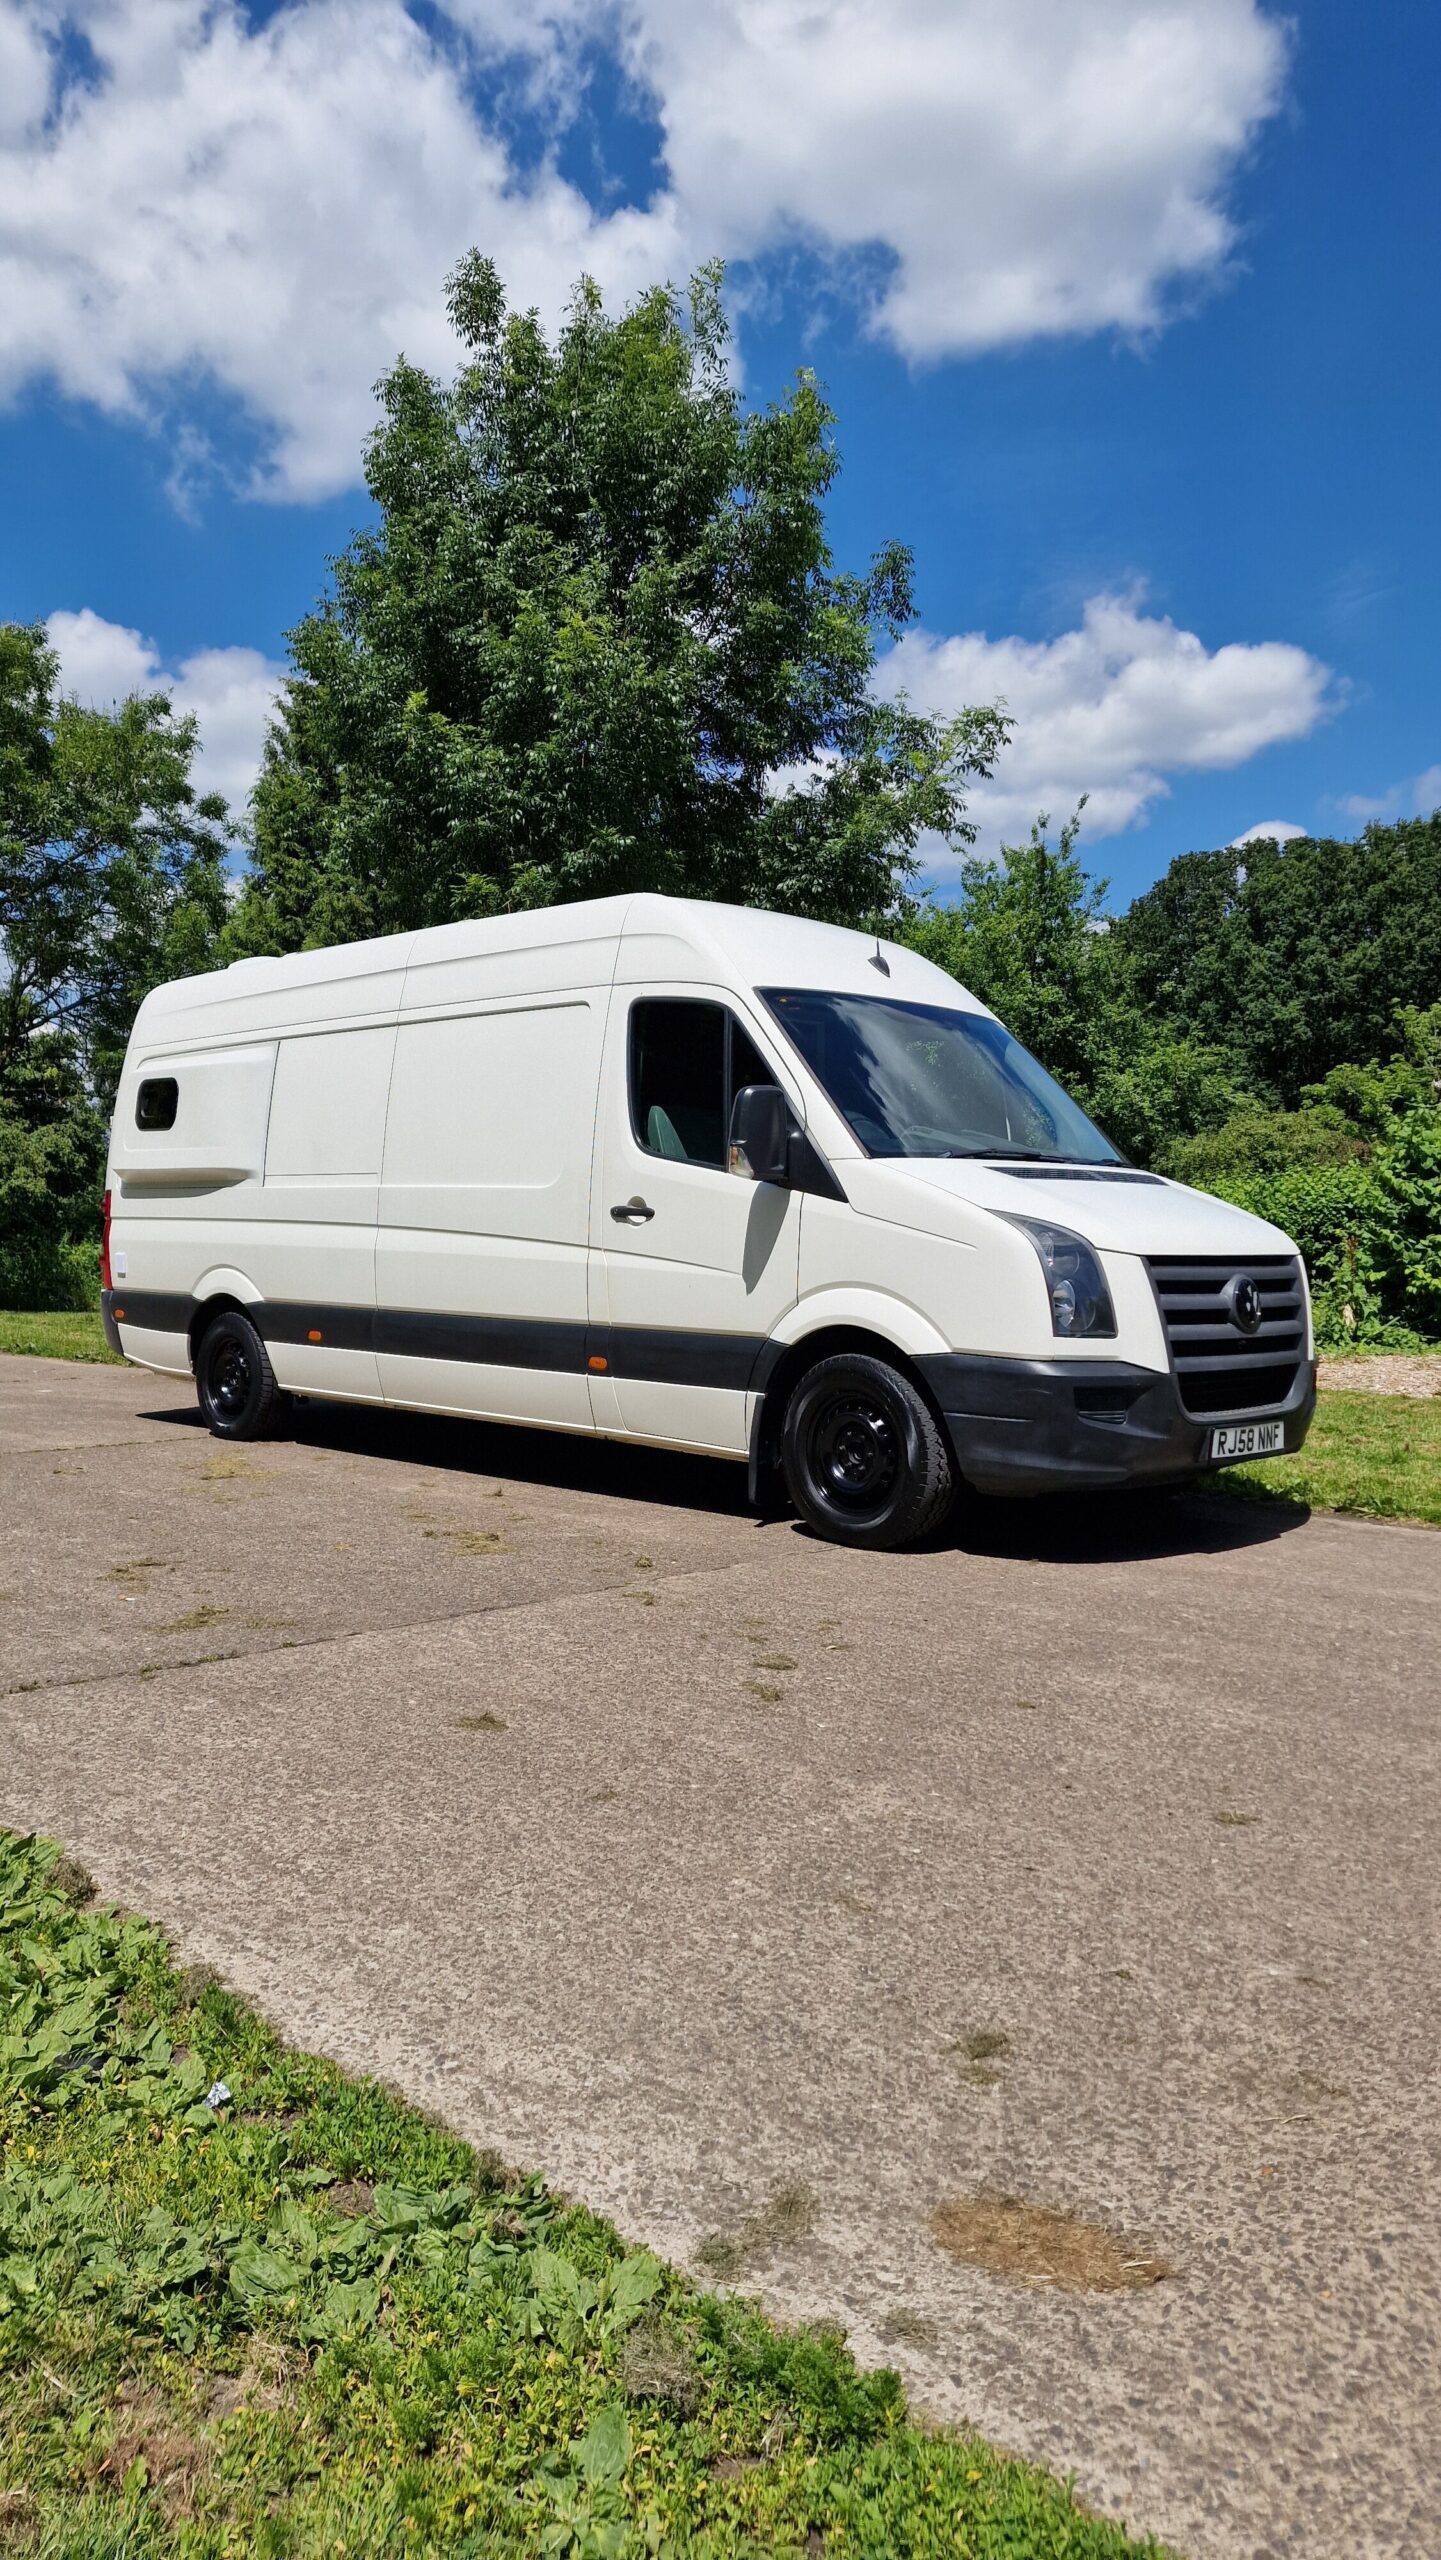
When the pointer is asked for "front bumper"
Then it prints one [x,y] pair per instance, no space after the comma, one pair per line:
[1048,1426]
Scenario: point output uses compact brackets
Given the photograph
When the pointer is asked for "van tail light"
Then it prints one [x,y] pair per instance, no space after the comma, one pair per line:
[105,1280]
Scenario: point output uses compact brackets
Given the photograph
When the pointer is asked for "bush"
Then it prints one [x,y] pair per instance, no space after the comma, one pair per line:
[40,1274]
[1255,1144]
[50,1185]
[1406,1232]
[1374,1260]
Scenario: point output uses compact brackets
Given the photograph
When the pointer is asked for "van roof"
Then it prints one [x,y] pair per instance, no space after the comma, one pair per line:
[659,937]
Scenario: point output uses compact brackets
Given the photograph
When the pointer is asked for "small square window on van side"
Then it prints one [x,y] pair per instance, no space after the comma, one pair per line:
[157,1103]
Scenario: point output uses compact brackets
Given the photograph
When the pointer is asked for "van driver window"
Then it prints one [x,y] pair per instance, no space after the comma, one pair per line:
[687,1063]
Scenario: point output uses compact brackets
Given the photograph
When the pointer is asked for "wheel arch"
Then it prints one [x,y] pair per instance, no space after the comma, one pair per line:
[789,1365]
[219,1293]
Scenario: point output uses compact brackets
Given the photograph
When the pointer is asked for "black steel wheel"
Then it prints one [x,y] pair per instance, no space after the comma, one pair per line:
[866,1462]
[235,1382]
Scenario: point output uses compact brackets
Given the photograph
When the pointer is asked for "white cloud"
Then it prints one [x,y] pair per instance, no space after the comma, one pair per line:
[1033,167]
[1268,831]
[230,691]
[1111,709]
[1414,799]
[271,208]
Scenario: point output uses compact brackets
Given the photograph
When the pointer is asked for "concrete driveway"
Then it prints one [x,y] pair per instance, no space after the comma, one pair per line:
[679,1857]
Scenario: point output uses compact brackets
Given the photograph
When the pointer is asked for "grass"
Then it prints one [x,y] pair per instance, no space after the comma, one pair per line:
[56,1337]
[1378,1455]
[249,2305]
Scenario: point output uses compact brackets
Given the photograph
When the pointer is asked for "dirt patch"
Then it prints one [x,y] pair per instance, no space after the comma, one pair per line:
[17,2512]
[486,1723]
[148,2433]
[205,1616]
[74,1881]
[979,2050]
[470,1542]
[1036,2245]
[776,1662]
[904,2327]
[787,2217]
[351,2197]
[1392,1373]
[266,2381]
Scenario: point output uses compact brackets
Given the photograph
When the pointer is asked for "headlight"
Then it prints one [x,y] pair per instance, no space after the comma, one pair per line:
[1080,1300]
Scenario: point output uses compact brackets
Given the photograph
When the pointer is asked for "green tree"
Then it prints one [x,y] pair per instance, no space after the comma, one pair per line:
[1293,957]
[1025,937]
[111,871]
[595,641]
[111,879]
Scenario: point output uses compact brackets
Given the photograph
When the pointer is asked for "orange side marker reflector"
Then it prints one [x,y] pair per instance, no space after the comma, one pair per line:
[313,1336]
[596,1362]
[120,1315]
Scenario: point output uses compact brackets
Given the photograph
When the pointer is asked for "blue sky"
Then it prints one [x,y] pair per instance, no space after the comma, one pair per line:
[1129,314]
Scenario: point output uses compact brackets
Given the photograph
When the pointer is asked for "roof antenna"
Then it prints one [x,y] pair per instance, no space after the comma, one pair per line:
[878,959]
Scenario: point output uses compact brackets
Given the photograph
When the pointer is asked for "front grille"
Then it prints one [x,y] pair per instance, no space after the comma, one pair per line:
[1220,1369]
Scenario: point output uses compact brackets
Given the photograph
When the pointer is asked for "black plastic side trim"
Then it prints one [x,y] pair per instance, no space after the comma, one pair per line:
[341,1328]
[155,1310]
[668,1357]
[664,1355]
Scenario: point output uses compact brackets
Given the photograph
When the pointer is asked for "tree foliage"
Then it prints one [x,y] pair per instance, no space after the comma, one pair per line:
[111,869]
[111,879]
[1293,957]
[595,641]
[1225,1030]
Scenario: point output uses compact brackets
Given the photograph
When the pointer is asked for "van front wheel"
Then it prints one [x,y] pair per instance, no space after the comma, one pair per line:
[237,1387]
[865,1459]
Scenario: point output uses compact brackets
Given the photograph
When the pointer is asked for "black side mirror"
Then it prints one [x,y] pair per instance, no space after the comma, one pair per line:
[760,1135]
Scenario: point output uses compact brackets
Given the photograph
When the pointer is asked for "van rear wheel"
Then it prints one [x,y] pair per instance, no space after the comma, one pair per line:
[239,1395]
[866,1462]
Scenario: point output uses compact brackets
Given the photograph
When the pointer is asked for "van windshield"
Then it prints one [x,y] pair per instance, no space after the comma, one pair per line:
[929,1080]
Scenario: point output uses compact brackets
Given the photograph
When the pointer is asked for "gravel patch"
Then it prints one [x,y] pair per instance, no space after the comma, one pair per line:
[1391,1373]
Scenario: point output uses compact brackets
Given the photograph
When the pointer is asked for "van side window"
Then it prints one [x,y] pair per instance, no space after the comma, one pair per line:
[688,1061]
[157,1103]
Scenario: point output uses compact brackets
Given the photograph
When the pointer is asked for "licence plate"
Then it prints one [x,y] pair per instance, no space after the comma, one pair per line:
[1248,1439]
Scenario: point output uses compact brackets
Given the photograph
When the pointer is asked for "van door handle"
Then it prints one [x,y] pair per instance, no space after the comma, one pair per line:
[632,1213]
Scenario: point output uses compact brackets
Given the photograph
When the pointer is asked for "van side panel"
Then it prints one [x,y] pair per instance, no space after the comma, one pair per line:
[313,1246]
[481,1266]
[179,1194]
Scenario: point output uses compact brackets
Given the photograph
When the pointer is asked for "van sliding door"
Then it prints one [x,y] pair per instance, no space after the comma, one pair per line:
[484,1209]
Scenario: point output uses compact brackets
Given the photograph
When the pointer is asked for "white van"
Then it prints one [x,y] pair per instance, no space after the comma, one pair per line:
[685,1174]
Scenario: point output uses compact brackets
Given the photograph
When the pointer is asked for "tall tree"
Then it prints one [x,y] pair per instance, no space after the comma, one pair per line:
[596,641]
[111,879]
[1295,957]
[1026,936]
[111,870]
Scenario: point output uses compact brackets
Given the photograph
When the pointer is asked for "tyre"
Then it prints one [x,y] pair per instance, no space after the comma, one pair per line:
[234,1380]
[866,1462]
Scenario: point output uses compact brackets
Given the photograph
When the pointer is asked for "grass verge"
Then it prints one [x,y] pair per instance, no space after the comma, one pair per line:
[1378,1455]
[251,2306]
[56,1337]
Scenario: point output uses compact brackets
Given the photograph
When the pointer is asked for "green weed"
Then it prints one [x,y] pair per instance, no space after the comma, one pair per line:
[250,2305]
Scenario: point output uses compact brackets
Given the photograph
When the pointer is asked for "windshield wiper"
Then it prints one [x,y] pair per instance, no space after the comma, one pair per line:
[1025,1155]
